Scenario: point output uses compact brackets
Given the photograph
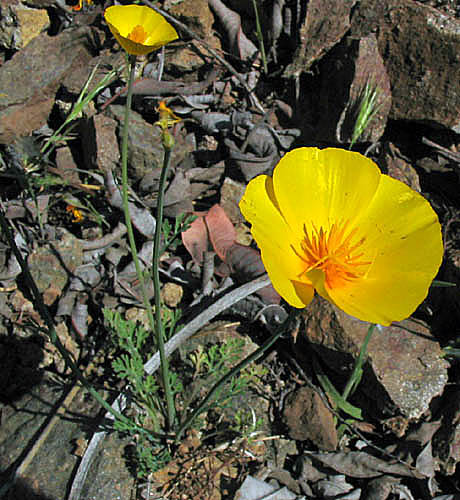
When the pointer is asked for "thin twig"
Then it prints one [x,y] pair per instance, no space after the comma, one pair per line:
[106,240]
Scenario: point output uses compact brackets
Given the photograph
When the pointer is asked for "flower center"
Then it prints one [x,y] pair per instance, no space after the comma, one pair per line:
[138,34]
[334,252]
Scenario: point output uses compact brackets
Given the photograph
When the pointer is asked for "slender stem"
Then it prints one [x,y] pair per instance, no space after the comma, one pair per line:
[260,37]
[356,374]
[159,330]
[155,323]
[51,330]
[235,371]
[125,195]
[125,187]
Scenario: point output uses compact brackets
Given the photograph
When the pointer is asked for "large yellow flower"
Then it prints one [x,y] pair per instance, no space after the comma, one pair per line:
[329,220]
[139,29]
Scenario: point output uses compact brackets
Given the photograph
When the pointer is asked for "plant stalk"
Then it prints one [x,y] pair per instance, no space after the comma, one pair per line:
[357,372]
[155,323]
[159,330]
[260,37]
[50,328]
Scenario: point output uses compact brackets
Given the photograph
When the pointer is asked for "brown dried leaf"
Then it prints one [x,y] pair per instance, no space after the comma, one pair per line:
[221,231]
[231,21]
[361,464]
[195,239]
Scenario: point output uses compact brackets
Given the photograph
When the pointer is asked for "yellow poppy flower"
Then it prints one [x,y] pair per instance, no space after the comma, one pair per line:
[329,220]
[139,29]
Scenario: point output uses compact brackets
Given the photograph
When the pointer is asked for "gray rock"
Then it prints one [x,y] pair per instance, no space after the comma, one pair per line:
[421,50]
[404,370]
[30,79]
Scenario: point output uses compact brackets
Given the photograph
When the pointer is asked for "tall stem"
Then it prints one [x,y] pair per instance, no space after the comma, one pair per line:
[156,286]
[155,323]
[357,372]
[47,318]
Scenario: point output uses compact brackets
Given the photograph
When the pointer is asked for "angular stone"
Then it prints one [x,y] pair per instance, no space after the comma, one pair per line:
[29,85]
[101,144]
[308,418]
[19,24]
[404,370]
[50,265]
[198,17]
[421,49]
[357,68]
[326,22]
[393,163]
[50,470]
[145,152]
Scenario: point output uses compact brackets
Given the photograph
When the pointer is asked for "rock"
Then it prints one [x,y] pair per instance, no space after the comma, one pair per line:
[421,50]
[357,68]
[393,163]
[101,144]
[446,441]
[308,418]
[172,293]
[197,15]
[326,22]
[50,265]
[30,79]
[404,369]
[20,24]
[145,151]
[110,476]
[66,167]
[231,193]
[54,459]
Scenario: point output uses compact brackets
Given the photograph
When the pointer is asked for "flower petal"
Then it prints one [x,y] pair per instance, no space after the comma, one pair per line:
[323,186]
[122,19]
[276,242]
[403,236]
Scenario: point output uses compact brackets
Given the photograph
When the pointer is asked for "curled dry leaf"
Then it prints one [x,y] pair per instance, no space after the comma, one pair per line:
[214,122]
[221,231]
[246,264]
[195,239]
[214,227]
[249,164]
[240,45]
[362,465]
[80,319]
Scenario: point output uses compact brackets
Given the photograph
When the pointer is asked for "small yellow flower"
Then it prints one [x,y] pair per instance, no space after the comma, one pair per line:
[81,3]
[139,29]
[329,220]
[167,118]
[77,213]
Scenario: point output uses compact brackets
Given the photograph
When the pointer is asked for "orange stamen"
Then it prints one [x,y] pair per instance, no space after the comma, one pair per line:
[334,251]
[138,34]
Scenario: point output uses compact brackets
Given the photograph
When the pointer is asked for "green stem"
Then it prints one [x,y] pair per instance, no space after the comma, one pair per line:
[234,372]
[45,315]
[156,286]
[260,37]
[155,323]
[357,372]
